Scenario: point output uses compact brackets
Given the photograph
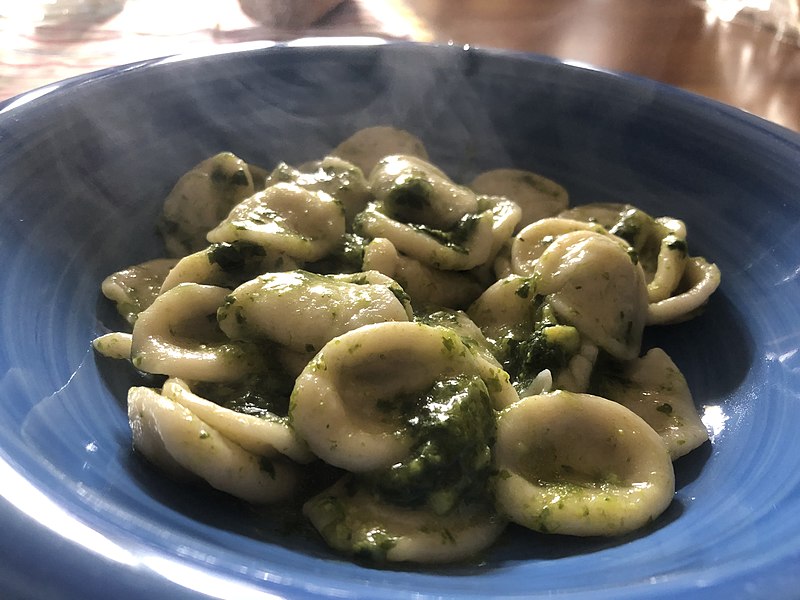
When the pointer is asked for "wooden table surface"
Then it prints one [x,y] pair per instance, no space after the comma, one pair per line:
[680,42]
[742,63]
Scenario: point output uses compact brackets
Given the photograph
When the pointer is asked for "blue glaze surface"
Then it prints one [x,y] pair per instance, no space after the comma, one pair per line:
[84,167]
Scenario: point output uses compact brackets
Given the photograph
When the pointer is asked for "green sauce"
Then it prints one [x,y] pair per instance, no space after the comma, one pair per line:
[450,460]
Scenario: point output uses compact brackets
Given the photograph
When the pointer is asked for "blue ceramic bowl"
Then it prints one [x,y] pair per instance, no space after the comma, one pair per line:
[84,166]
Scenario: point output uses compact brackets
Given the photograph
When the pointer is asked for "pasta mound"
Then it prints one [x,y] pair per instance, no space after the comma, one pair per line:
[455,357]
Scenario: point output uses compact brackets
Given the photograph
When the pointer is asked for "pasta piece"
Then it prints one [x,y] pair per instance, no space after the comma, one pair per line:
[348,403]
[178,335]
[302,311]
[114,345]
[135,288]
[529,244]
[654,388]
[609,215]
[341,179]
[592,283]
[504,308]
[505,216]
[285,218]
[354,522]
[423,283]
[380,255]
[497,380]
[501,267]
[700,279]
[577,376]
[537,196]
[201,199]
[533,346]
[368,146]
[581,465]
[468,245]
[226,265]
[411,190]
[263,436]
[670,260]
[660,244]
[173,438]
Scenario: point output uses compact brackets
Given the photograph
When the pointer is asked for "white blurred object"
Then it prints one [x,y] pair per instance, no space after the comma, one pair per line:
[53,12]
[288,14]
[781,15]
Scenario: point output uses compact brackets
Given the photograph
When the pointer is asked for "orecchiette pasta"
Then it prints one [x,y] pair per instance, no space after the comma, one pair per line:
[170,435]
[368,146]
[135,288]
[654,388]
[578,464]
[594,285]
[340,179]
[537,196]
[352,522]
[452,356]
[424,283]
[201,198]
[303,311]
[287,218]
[270,436]
[178,335]
[348,403]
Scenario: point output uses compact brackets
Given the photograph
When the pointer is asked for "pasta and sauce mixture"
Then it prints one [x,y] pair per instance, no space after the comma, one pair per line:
[458,356]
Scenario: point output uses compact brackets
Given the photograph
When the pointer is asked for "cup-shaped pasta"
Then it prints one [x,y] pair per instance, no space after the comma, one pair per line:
[577,374]
[354,522]
[578,464]
[538,197]
[349,402]
[655,389]
[467,245]
[302,311]
[700,279]
[593,284]
[504,307]
[201,199]
[268,436]
[425,284]
[178,335]
[505,216]
[285,218]
[529,244]
[115,344]
[173,438]
[339,178]
[626,221]
[669,262]
[659,243]
[411,190]
[226,265]
[366,147]
[135,288]
[497,380]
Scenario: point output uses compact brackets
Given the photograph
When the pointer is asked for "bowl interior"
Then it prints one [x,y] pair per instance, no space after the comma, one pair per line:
[83,172]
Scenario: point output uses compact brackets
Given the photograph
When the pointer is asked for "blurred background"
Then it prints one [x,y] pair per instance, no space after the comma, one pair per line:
[742,52]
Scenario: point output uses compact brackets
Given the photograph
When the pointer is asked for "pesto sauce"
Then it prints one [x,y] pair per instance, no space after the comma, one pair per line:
[361,539]
[456,237]
[549,346]
[635,227]
[450,460]
[236,257]
[409,199]
[264,395]
[347,257]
